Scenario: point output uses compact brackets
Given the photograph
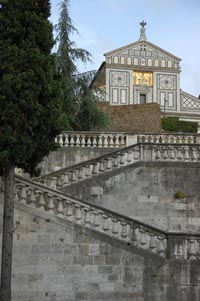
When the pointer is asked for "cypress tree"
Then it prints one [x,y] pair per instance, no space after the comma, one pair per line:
[79,102]
[29,103]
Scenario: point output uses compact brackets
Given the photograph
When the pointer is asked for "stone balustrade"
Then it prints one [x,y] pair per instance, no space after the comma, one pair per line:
[89,216]
[119,140]
[184,246]
[89,139]
[132,232]
[135,153]
[168,138]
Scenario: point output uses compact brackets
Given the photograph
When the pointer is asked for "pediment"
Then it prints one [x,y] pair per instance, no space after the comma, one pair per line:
[142,49]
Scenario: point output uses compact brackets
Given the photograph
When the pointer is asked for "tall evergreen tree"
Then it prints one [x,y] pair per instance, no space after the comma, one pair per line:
[76,108]
[29,103]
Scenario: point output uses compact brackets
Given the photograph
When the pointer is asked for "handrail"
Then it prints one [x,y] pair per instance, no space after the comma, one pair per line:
[115,225]
[141,152]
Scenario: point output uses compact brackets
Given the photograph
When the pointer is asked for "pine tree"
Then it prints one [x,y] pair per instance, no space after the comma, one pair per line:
[29,103]
[80,113]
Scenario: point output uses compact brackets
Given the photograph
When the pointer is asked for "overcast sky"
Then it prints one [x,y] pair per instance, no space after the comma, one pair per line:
[105,25]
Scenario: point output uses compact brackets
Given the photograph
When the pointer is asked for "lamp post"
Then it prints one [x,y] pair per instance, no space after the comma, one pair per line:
[165,101]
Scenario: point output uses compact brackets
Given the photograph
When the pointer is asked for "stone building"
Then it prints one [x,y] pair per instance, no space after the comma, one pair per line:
[142,72]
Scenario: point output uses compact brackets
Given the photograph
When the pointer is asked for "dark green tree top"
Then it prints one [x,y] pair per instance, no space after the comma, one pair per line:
[79,102]
[29,90]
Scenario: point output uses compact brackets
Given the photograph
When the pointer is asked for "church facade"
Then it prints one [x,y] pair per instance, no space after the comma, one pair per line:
[142,72]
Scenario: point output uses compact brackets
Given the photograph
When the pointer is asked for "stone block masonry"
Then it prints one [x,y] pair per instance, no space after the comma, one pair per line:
[133,118]
[55,260]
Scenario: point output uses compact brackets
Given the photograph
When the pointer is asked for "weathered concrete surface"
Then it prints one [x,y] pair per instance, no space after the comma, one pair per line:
[147,192]
[68,156]
[56,261]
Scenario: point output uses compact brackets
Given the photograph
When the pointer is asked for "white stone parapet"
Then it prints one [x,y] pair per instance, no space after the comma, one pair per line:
[141,152]
[119,140]
[89,139]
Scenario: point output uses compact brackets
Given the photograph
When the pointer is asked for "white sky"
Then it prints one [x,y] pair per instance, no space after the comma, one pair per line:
[105,25]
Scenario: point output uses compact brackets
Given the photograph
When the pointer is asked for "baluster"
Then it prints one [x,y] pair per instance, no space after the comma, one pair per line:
[89,143]
[117,141]
[23,195]
[134,235]
[69,210]
[111,141]
[95,168]
[94,141]
[58,183]
[164,154]
[87,172]
[171,153]
[191,250]
[152,243]
[60,208]
[83,141]
[124,232]
[16,192]
[73,176]
[136,154]
[100,142]
[143,239]
[130,156]
[53,183]
[96,221]
[122,158]
[81,173]
[179,154]
[105,141]
[115,228]
[41,202]
[50,206]
[186,154]
[72,140]
[78,141]
[78,215]
[158,155]
[101,168]
[116,161]
[87,217]
[33,198]
[161,247]
[65,179]
[109,163]
[105,226]
[194,154]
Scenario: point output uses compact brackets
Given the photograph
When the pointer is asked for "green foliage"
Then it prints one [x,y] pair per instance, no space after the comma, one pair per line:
[29,84]
[173,124]
[179,195]
[79,101]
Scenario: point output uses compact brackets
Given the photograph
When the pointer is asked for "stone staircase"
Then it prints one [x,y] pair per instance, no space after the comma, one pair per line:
[107,222]
[141,152]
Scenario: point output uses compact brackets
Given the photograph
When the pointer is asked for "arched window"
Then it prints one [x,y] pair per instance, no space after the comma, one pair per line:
[156,63]
[122,60]
[116,60]
[135,62]
[149,62]
[169,64]
[129,61]
[163,63]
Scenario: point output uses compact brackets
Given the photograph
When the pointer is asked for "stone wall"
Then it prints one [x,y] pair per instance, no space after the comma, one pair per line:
[68,156]
[54,260]
[133,118]
[146,191]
